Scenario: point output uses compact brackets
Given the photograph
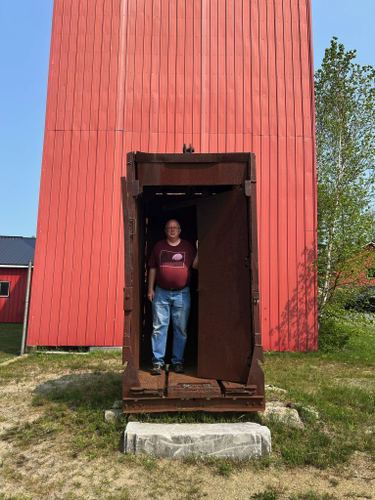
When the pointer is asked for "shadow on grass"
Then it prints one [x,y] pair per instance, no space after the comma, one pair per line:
[97,390]
[10,340]
[73,410]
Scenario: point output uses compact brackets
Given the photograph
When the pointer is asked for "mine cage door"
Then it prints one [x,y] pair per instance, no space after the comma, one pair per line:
[213,196]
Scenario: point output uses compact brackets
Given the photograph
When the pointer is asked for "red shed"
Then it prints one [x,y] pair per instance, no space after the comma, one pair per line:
[15,254]
[151,75]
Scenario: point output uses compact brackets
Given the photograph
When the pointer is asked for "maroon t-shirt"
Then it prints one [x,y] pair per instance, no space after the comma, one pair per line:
[172,263]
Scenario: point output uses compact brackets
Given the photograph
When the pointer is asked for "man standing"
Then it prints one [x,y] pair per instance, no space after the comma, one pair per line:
[169,271]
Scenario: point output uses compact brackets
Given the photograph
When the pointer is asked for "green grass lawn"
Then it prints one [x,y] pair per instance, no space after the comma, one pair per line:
[10,340]
[338,382]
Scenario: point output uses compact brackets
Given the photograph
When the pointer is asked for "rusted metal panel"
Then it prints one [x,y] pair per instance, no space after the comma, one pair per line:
[224,340]
[256,376]
[127,75]
[149,386]
[165,170]
[131,308]
[234,389]
[136,261]
[194,176]
[188,385]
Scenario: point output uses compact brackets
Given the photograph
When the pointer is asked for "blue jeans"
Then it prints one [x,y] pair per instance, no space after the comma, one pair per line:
[174,304]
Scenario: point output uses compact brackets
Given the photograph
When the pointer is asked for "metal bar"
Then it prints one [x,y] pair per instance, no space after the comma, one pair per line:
[256,376]
[193,158]
[27,296]
[238,403]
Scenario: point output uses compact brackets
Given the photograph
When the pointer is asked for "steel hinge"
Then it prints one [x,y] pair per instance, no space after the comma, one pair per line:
[135,188]
[247,188]
[132,226]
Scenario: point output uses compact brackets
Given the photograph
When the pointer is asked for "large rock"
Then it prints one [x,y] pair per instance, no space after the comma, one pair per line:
[242,440]
[277,411]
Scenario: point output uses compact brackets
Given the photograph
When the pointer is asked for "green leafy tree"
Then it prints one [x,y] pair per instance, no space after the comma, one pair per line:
[345,146]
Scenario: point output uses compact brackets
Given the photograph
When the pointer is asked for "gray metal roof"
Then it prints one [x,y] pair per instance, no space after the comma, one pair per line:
[16,250]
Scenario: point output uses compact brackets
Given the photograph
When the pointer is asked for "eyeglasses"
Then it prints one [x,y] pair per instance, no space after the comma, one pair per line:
[172,227]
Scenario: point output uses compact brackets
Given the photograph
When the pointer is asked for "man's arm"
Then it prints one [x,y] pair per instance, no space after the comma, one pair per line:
[151,282]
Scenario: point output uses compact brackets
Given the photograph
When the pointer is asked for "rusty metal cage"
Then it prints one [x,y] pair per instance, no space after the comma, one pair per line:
[214,198]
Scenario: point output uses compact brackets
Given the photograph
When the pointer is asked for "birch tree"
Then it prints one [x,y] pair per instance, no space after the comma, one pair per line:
[345,146]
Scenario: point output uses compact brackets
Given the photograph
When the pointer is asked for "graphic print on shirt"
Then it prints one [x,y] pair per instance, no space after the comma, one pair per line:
[172,259]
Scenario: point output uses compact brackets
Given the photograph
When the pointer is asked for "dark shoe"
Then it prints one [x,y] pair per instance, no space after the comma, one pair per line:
[178,368]
[156,370]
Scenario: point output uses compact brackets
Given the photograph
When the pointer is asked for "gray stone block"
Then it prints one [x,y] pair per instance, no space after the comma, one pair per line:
[242,440]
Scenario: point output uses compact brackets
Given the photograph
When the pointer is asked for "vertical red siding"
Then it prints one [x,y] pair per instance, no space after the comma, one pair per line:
[151,75]
[12,307]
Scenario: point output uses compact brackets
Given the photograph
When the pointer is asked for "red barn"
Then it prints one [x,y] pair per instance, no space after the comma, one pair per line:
[15,254]
[151,75]
[358,270]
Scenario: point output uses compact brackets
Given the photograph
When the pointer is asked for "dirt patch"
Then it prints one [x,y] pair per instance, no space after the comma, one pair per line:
[48,471]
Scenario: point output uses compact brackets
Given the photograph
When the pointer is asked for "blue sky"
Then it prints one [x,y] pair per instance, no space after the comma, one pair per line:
[24,47]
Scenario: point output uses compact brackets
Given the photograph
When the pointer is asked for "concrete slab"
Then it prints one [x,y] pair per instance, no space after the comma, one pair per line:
[242,440]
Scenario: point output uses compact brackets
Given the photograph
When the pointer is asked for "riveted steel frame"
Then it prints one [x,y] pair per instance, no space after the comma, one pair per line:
[238,171]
